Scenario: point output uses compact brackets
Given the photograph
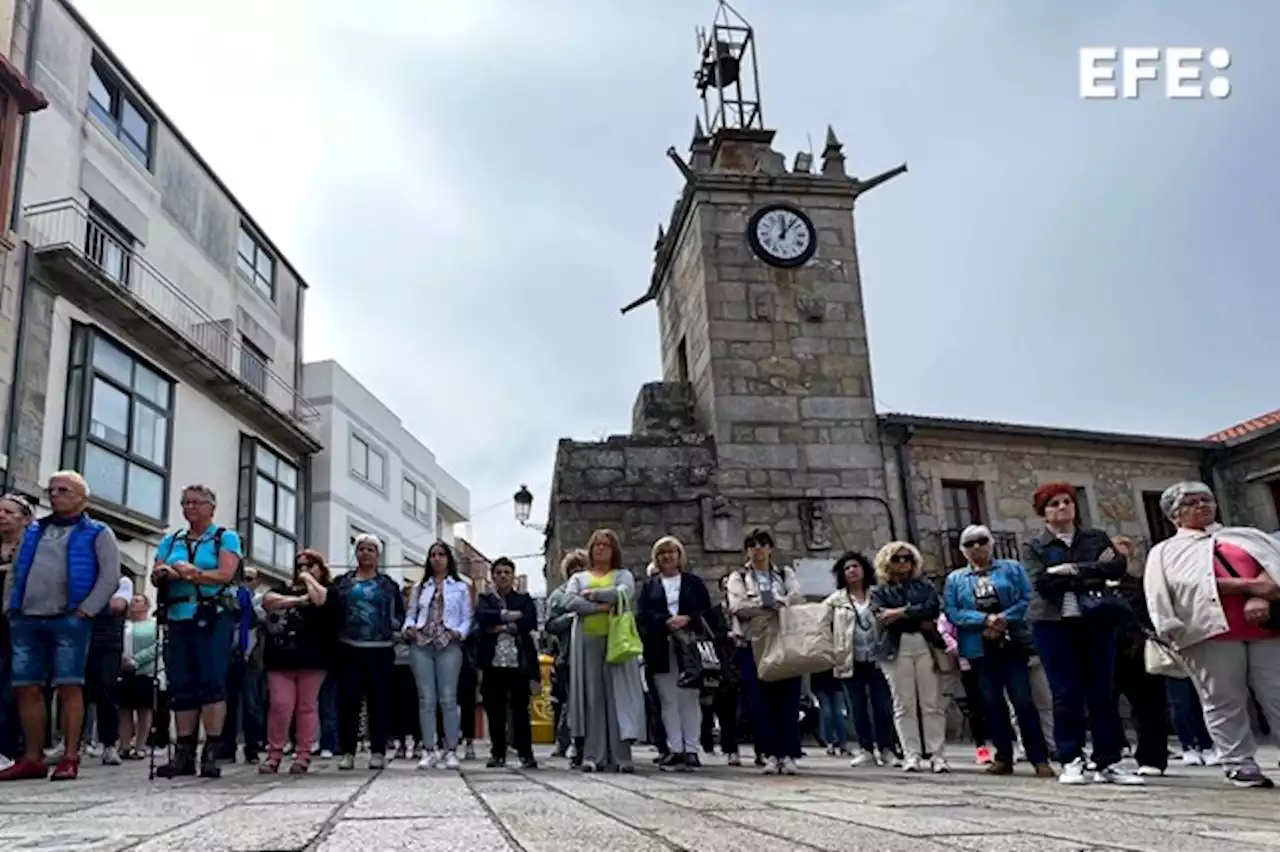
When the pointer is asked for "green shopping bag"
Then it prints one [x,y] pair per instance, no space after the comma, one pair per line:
[624,639]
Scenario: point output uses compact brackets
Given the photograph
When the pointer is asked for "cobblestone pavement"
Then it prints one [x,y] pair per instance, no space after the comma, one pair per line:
[828,807]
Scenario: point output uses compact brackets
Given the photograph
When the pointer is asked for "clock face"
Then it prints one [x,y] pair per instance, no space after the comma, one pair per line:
[781,235]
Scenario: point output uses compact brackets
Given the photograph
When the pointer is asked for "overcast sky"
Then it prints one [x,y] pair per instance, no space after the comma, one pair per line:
[472,187]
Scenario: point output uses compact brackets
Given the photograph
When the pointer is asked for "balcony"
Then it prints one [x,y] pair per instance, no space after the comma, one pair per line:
[85,262]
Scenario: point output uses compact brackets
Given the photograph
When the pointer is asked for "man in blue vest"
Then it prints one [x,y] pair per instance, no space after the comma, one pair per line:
[67,568]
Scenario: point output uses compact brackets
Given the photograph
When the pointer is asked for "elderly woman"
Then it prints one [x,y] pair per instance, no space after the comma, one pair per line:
[906,608]
[987,602]
[1075,620]
[673,607]
[1210,591]
[559,626]
[755,593]
[606,700]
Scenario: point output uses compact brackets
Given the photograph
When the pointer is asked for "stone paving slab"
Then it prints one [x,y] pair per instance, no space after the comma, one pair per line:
[827,808]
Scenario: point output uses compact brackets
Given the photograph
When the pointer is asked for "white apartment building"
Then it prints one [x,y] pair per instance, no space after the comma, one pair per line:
[375,477]
[160,328]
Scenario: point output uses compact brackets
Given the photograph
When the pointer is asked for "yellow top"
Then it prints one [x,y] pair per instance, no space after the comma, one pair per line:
[598,624]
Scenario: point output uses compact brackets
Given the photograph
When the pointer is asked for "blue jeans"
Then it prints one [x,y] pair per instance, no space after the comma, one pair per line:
[1079,657]
[999,673]
[436,670]
[1188,715]
[49,650]
[774,707]
[329,714]
[831,718]
[870,707]
[196,661]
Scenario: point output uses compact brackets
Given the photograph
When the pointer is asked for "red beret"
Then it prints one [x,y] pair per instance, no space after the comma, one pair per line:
[1048,491]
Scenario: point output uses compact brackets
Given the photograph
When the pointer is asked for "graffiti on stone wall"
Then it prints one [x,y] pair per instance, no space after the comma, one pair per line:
[816,524]
[721,525]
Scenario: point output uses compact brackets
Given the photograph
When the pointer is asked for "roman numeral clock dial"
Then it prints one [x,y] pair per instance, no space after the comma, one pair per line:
[782,236]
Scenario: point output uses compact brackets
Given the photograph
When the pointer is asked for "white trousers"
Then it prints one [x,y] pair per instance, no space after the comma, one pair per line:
[917,689]
[681,710]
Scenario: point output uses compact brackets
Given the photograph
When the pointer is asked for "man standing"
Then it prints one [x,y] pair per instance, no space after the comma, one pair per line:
[102,670]
[246,681]
[68,567]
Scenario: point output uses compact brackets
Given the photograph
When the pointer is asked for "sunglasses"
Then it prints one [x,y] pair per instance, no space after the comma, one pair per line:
[902,559]
[977,542]
[759,542]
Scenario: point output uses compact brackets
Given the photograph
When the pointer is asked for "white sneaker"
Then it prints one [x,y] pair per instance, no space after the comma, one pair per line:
[862,759]
[1115,775]
[451,761]
[1150,771]
[110,756]
[769,768]
[1211,757]
[326,754]
[888,758]
[911,764]
[1192,757]
[428,761]
[5,762]
[939,766]
[787,766]
[1073,773]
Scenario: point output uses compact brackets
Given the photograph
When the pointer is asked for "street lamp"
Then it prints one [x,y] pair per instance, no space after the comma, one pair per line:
[524,506]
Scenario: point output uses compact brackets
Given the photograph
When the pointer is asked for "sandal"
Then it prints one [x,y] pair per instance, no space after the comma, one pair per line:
[299,767]
[270,766]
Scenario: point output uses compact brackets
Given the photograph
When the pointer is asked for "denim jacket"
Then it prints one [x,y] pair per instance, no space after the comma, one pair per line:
[458,613]
[1013,589]
[920,598]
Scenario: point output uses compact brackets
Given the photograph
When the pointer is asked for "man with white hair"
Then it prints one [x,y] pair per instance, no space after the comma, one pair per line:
[67,569]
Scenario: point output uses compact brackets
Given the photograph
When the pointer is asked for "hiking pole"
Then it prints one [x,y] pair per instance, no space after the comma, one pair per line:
[162,639]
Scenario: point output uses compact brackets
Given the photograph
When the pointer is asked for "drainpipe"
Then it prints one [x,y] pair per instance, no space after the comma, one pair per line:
[903,460]
[15,213]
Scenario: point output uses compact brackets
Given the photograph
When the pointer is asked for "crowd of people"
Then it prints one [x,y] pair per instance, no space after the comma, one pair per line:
[1035,652]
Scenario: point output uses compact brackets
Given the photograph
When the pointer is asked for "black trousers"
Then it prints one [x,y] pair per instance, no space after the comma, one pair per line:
[506,702]
[403,721]
[724,709]
[364,676]
[653,715]
[102,689]
[1148,706]
[246,708]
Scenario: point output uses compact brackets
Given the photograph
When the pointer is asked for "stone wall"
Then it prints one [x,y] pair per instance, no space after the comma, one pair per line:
[1245,474]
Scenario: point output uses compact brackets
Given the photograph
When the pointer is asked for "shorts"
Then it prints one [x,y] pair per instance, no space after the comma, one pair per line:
[49,650]
[137,692]
[196,660]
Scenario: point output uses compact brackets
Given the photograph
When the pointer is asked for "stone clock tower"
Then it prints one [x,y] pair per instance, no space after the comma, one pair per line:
[760,306]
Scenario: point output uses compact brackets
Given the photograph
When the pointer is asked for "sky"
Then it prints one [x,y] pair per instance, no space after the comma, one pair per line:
[472,187]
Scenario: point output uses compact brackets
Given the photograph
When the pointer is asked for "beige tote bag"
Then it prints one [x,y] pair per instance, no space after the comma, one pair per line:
[796,641]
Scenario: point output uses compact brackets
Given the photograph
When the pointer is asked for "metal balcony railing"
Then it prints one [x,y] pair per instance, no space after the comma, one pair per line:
[66,225]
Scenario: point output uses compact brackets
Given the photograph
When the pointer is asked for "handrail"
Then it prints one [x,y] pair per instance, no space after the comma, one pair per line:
[66,224]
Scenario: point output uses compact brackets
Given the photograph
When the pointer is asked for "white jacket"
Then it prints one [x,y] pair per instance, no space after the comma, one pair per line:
[843,621]
[743,595]
[458,611]
[1180,585]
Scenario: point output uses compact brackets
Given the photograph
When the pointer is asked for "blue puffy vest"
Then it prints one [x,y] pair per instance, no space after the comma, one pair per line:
[82,561]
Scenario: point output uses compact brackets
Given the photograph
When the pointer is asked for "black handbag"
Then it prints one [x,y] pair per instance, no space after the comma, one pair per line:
[1105,604]
[1273,621]
[698,659]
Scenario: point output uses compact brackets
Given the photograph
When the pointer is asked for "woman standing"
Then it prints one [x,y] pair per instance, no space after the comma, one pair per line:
[856,640]
[509,661]
[756,592]
[138,679]
[438,622]
[1210,591]
[371,611]
[15,514]
[1076,622]
[987,602]
[301,632]
[906,608]
[403,717]
[606,700]
[673,607]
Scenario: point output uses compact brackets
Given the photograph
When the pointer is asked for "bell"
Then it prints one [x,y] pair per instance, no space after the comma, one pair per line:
[722,70]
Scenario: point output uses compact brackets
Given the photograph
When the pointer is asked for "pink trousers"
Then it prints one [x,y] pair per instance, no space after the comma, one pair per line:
[293,690]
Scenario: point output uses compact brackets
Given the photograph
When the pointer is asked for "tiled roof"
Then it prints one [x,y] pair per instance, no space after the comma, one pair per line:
[1240,430]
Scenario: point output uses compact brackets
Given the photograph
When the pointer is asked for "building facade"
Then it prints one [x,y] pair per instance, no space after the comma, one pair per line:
[159,327]
[375,477]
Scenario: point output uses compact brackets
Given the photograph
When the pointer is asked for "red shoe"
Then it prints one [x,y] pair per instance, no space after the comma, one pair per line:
[25,770]
[68,770]
[984,757]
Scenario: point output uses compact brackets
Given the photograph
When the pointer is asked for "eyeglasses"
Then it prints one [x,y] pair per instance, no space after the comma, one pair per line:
[976,542]
[59,489]
[759,542]
[902,559]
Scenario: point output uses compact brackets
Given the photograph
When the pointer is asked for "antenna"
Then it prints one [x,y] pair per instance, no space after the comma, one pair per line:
[728,77]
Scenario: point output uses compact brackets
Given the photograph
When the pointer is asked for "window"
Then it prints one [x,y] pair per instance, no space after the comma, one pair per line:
[120,114]
[682,361]
[108,245]
[961,504]
[1082,508]
[1158,526]
[417,501]
[255,263]
[117,424]
[269,507]
[367,463]
[253,366]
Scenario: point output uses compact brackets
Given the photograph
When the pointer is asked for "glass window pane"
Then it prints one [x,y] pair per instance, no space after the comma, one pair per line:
[135,125]
[151,385]
[109,358]
[263,285]
[264,545]
[75,389]
[265,496]
[288,475]
[109,414]
[287,511]
[150,428]
[105,472]
[146,492]
[246,246]
[99,92]
[359,452]
[267,461]
[245,265]
[407,491]
[424,504]
[140,155]
[266,267]
[285,553]
[377,469]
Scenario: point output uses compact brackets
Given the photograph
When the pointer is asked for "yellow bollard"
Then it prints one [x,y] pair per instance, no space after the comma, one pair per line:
[541,714]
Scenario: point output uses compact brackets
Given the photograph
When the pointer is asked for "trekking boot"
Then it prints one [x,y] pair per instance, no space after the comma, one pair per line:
[183,762]
[209,761]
